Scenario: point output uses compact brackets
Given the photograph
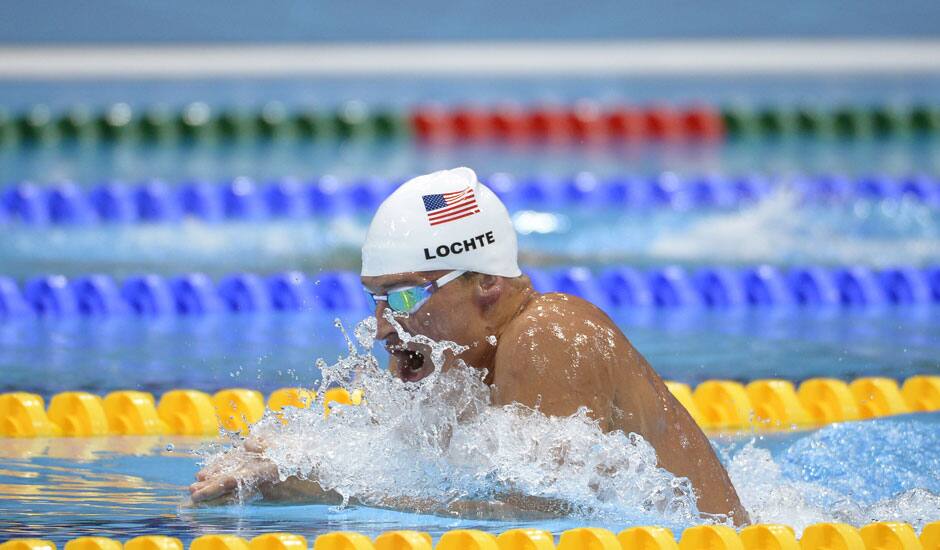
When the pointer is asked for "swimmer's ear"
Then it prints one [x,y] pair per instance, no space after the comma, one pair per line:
[487,289]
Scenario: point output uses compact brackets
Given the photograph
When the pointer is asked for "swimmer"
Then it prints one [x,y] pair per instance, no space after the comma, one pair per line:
[441,253]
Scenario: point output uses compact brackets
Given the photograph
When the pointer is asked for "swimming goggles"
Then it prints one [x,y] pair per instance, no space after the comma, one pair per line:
[410,299]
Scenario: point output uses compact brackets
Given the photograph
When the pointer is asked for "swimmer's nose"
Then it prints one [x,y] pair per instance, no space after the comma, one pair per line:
[383,328]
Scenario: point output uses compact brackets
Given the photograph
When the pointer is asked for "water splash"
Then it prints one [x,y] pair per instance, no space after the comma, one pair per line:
[440,441]
[437,348]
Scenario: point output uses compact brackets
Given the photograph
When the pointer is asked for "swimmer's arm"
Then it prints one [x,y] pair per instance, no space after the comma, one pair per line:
[245,474]
[304,491]
[537,368]
[299,491]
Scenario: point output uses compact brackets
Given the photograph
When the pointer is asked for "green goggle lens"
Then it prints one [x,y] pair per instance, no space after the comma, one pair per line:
[408,300]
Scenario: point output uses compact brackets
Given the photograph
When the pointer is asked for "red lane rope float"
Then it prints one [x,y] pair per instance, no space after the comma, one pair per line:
[582,122]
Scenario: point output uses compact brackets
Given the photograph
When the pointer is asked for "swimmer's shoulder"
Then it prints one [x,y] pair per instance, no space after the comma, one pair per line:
[568,309]
[550,318]
[557,352]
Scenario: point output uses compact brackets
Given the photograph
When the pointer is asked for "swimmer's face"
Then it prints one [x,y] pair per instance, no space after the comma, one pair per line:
[449,314]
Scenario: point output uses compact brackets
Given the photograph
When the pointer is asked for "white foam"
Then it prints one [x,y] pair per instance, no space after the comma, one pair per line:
[770,496]
[767,495]
[780,229]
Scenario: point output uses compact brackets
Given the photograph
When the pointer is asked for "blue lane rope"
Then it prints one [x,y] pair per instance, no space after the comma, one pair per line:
[66,203]
[613,288]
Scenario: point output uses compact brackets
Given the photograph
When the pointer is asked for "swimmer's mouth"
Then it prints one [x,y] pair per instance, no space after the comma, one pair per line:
[411,364]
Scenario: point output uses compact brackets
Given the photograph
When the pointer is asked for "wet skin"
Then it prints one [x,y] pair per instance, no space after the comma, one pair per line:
[554,352]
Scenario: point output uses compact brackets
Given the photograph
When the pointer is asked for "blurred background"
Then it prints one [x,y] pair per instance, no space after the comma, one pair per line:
[184,187]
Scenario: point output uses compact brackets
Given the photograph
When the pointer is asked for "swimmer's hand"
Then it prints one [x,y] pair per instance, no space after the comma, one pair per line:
[239,473]
[244,473]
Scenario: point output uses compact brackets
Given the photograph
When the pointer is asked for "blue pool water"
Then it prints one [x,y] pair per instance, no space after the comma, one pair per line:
[273,350]
[778,230]
[121,487]
[857,472]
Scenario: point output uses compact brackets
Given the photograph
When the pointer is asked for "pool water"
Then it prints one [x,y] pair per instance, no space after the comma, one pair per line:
[780,229]
[64,488]
[121,486]
[858,472]
[855,472]
[88,165]
[267,351]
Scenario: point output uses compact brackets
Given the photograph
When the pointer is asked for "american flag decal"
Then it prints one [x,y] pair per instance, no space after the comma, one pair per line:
[448,207]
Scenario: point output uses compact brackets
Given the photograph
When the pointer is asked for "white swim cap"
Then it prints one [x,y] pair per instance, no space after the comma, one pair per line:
[444,220]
